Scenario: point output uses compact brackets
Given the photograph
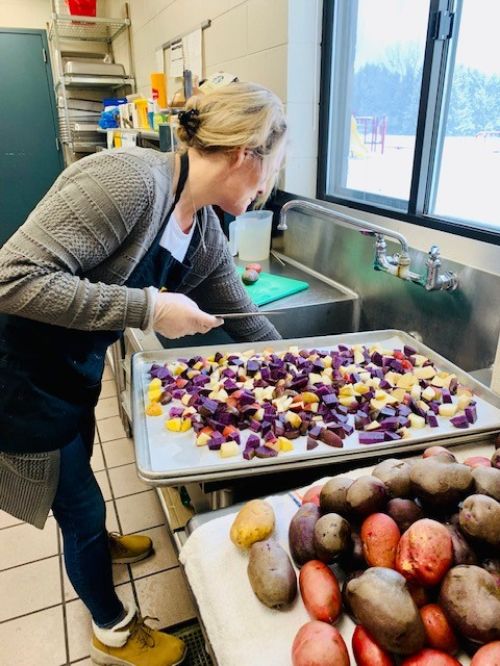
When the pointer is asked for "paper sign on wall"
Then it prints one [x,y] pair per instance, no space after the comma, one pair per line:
[192,52]
[177,60]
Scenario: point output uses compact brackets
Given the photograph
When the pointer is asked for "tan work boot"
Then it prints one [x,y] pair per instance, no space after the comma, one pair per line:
[133,643]
[130,548]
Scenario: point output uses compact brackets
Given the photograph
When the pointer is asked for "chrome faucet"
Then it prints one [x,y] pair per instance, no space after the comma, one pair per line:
[396,264]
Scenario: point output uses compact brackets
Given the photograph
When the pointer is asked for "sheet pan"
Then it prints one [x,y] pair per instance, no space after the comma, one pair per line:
[165,458]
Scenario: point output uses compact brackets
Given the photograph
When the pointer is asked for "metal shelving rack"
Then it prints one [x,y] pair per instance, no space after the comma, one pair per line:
[65,30]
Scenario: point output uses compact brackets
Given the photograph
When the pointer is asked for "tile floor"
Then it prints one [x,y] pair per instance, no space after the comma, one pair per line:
[43,623]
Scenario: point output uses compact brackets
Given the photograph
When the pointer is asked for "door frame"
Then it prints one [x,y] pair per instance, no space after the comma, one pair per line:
[50,81]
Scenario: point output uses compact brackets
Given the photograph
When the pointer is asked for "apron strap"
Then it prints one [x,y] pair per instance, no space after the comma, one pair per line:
[182,181]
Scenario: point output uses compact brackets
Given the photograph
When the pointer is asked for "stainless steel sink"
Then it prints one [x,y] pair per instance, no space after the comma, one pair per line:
[326,307]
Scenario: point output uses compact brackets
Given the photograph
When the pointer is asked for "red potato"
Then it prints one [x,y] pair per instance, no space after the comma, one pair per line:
[367,652]
[380,537]
[312,495]
[478,461]
[429,657]
[253,267]
[320,591]
[425,552]
[488,655]
[438,631]
[435,451]
[319,644]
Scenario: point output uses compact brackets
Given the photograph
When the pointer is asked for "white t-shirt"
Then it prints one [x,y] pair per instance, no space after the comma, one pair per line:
[175,240]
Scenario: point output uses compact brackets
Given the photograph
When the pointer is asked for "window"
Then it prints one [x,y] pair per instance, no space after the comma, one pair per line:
[410,111]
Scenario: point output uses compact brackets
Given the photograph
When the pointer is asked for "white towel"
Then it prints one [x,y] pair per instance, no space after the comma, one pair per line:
[241,630]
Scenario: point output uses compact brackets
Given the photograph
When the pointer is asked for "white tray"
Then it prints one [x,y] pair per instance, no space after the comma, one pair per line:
[166,458]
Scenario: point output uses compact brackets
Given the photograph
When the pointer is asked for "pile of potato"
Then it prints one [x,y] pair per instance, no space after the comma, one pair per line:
[417,545]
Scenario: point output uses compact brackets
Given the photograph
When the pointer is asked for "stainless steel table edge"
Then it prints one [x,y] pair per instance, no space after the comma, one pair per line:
[143,458]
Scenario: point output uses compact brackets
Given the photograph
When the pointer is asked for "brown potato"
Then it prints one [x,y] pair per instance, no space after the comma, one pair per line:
[381,603]
[333,495]
[332,536]
[471,601]
[366,495]
[271,574]
[487,480]
[440,484]
[479,518]
[396,476]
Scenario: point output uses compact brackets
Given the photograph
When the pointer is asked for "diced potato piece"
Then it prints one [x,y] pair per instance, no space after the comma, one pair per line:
[348,389]
[293,419]
[381,395]
[423,405]
[154,409]
[428,393]
[327,362]
[174,425]
[358,357]
[416,421]
[361,388]
[448,409]
[272,444]
[440,382]
[374,425]
[311,407]
[179,368]
[198,365]
[391,377]
[463,401]
[407,381]
[190,374]
[425,372]
[154,394]
[315,378]
[377,404]
[405,433]
[229,449]
[293,350]
[419,360]
[327,372]
[202,439]
[154,384]
[185,399]
[188,411]
[398,394]
[259,414]
[308,397]
[416,391]
[347,400]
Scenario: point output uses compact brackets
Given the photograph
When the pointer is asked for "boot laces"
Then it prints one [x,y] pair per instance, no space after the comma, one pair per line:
[143,632]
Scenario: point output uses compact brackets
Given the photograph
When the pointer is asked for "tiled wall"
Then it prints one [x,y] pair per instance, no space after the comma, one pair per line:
[272,42]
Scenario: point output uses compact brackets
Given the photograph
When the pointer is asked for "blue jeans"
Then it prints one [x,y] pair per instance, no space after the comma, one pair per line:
[80,510]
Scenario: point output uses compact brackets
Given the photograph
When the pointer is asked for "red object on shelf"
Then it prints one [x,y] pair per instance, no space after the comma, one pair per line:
[82,7]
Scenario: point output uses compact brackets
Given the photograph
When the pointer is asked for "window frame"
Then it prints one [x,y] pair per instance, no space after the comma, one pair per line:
[439,56]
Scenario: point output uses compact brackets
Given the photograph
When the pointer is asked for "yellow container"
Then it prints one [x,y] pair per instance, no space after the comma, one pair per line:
[141,106]
[159,89]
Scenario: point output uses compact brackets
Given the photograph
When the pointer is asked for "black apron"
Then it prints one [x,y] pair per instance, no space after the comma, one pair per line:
[50,376]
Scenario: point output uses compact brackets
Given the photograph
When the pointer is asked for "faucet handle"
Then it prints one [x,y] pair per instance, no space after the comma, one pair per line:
[434,252]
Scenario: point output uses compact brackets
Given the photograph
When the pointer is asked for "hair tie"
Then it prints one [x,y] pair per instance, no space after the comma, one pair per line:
[190,121]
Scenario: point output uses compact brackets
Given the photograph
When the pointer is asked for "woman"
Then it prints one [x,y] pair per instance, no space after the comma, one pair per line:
[114,229]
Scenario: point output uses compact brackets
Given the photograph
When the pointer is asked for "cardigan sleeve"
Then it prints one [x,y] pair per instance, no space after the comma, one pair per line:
[222,291]
[83,219]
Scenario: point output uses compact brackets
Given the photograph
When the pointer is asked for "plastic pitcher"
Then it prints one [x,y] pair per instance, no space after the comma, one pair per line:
[250,235]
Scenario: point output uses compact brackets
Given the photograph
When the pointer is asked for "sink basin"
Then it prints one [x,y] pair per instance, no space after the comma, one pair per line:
[326,307]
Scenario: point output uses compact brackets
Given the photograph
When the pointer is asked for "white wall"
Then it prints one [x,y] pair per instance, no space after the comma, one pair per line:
[271,42]
[33,14]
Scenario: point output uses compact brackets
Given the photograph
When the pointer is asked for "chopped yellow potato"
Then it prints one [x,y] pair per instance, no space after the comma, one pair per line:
[154,384]
[448,409]
[285,444]
[229,449]
[154,409]
[416,421]
[178,424]
[154,394]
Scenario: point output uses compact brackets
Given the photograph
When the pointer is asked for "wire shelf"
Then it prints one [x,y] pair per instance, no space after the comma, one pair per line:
[87,28]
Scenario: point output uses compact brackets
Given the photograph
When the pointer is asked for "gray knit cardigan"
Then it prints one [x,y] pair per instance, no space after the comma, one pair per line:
[68,264]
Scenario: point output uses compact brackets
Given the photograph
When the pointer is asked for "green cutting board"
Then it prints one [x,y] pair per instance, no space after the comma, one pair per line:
[269,288]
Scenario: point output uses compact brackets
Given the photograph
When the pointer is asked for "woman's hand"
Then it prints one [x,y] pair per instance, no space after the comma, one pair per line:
[176,315]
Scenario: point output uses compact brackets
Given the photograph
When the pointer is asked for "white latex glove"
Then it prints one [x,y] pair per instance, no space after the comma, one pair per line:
[176,315]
